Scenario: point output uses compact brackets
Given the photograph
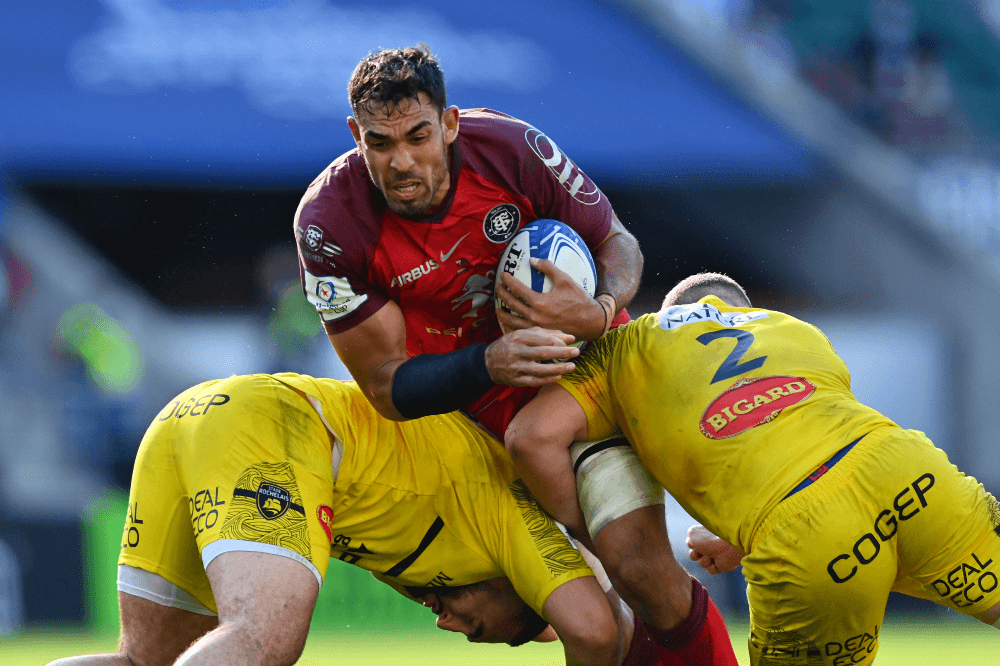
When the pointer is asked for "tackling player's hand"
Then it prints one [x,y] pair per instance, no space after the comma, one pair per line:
[566,307]
[712,553]
[516,358]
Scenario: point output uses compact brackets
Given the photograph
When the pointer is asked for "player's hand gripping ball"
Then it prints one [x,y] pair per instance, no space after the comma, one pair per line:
[556,242]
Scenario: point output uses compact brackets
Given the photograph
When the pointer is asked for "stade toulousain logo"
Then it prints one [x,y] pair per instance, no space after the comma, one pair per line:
[313,237]
[501,222]
[272,501]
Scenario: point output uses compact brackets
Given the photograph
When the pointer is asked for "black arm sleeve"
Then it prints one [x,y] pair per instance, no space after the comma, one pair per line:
[433,384]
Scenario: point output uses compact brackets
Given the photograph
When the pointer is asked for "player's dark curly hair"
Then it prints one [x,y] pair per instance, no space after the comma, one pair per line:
[386,77]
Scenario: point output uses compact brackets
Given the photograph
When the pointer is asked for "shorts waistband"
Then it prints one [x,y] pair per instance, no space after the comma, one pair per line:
[823,469]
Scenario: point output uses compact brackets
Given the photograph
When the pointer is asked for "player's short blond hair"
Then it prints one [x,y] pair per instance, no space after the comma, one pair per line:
[700,285]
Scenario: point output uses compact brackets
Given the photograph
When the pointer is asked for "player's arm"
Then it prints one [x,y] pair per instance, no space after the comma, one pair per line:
[400,387]
[581,614]
[538,440]
[567,307]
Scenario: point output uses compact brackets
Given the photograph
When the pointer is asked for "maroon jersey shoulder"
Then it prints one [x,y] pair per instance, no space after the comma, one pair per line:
[521,159]
[337,226]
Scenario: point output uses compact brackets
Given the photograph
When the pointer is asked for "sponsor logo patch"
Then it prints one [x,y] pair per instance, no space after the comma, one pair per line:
[779,647]
[413,274]
[968,583]
[501,223]
[750,403]
[568,174]
[325,515]
[693,313]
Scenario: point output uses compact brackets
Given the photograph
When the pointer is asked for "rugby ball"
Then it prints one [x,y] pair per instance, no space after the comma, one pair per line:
[551,240]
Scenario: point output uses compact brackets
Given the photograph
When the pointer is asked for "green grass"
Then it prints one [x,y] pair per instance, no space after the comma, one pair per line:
[960,641]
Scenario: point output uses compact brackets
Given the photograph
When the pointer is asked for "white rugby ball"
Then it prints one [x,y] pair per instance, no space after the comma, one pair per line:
[554,241]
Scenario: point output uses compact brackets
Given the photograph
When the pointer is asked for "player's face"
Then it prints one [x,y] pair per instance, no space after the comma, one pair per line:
[491,613]
[406,151]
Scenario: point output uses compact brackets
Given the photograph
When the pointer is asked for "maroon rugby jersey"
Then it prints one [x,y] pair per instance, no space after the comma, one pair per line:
[355,254]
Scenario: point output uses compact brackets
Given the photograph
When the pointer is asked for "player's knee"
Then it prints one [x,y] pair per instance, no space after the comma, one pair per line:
[640,575]
[632,574]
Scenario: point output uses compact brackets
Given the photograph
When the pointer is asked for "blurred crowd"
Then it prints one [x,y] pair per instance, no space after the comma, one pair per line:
[889,75]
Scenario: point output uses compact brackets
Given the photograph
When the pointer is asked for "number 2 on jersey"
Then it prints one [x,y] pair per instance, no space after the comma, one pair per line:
[731,366]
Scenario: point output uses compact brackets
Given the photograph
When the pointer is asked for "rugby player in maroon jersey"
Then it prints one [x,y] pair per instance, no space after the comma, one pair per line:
[399,240]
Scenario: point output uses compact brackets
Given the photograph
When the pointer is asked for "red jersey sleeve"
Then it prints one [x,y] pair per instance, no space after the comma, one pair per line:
[337,226]
[526,161]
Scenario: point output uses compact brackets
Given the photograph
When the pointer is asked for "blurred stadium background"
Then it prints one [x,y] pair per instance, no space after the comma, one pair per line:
[839,158]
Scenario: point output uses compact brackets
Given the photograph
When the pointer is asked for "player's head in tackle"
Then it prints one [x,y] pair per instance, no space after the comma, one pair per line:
[403,127]
[487,612]
[694,288]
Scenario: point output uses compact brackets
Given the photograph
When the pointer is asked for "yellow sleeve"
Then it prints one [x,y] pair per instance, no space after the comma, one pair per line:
[533,552]
[588,384]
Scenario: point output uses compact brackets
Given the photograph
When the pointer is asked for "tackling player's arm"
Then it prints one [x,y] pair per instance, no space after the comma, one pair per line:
[567,307]
[582,616]
[401,388]
[538,440]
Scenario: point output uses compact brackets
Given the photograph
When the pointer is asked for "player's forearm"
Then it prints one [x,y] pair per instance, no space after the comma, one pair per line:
[619,267]
[585,622]
[433,384]
[546,467]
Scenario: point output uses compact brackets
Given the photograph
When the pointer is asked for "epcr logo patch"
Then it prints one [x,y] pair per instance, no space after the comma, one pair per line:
[568,174]
[501,222]
[272,501]
[313,237]
[326,291]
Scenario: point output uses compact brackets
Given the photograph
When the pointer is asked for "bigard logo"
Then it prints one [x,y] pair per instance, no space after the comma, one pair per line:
[750,403]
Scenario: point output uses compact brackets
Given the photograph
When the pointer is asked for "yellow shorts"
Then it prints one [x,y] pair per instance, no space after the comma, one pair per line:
[892,515]
[241,464]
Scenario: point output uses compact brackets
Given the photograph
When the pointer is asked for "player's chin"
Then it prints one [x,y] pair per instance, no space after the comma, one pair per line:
[408,207]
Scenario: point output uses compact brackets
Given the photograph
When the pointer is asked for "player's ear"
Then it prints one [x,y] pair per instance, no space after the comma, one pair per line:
[352,123]
[546,635]
[449,118]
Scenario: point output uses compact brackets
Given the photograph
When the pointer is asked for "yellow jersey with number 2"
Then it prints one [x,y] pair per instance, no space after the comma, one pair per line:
[729,408]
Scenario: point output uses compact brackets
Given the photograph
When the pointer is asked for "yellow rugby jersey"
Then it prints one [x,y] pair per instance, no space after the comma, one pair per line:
[729,408]
[434,502]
